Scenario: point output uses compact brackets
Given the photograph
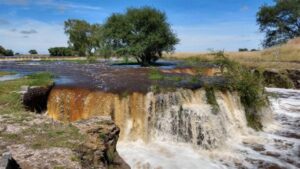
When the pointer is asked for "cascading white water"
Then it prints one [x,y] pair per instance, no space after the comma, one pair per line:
[184,133]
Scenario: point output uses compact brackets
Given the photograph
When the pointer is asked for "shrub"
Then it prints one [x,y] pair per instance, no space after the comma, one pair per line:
[6,52]
[9,52]
[243,49]
[248,84]
[32,52]
[60,51]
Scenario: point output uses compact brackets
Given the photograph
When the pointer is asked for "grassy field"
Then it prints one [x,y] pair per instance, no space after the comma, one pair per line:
[13,113]
[285,56]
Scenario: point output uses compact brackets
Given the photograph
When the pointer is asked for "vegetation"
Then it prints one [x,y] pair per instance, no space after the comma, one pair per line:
[32,52]
[60,51]
[39,136]
[84,38]
[248,84]
[286,56]
[280,22]
[211,99]
[140,33]
[10,101]
[6,52]
[243,49]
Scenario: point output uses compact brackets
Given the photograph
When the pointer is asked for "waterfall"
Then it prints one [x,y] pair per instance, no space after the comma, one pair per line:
[182,116]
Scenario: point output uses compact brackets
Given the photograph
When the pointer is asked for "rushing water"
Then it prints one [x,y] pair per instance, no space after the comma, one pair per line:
[278,146]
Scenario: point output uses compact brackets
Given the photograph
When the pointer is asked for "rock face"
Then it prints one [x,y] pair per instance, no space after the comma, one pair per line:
[281,79]
[294,75]
[35,98]
[99,150]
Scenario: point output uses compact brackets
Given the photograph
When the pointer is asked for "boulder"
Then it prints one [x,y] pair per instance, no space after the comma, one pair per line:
[35,98]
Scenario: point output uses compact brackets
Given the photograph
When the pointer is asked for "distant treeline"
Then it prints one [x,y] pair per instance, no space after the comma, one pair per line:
[6,52]
[61,51]
[246,50]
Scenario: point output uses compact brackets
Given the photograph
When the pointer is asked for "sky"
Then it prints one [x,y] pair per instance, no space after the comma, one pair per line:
[201,25]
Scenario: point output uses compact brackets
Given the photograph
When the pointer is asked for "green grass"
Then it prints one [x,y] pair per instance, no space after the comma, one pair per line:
[40,79]
[40,136]
[10,99]
[155,74]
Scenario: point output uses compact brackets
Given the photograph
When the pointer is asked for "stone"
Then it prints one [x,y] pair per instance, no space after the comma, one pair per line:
[99,149]
[7,162]
[35,98]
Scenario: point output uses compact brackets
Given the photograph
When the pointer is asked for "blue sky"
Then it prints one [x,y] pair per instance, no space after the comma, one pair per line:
[199,24]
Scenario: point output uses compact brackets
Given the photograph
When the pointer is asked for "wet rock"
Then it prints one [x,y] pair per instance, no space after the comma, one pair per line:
[294,75]
[35,98]
[272,154]
[275,78]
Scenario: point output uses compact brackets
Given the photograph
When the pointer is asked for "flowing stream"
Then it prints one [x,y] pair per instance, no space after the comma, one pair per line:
[235,146]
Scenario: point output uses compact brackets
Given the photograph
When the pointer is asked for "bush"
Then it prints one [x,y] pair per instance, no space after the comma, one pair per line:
[9,52]
[33,52]
[6,52]
[248,84]
[243,49]
[60,51]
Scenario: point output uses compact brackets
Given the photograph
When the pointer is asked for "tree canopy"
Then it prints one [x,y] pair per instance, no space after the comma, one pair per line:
[84,38]
[280,22]
[32,52]
[142,33]
[6,52]
[60,51]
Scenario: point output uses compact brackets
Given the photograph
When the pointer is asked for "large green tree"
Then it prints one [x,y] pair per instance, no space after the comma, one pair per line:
[280,21]
[142,33]
[84,38]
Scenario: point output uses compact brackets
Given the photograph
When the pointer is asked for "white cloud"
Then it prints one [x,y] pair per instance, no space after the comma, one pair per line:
[47,35]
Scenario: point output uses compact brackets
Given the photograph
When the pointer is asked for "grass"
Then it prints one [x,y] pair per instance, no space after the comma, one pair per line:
[40,136]
[6,73]
[248,84]
[155,74]
[10,102]
[268,58]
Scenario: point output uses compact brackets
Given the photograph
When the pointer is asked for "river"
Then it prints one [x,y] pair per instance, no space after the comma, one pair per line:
[277,146]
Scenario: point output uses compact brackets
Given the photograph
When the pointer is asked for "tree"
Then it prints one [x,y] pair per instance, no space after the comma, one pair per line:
[142,33]
[84,38]
[6,52]
[280,22]
[9,52]
[33,52]
[2,51]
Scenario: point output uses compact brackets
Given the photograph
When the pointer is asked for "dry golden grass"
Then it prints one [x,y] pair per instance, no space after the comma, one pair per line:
[281,57]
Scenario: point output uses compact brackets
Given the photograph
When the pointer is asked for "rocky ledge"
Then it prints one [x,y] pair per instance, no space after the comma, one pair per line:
[38,142]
